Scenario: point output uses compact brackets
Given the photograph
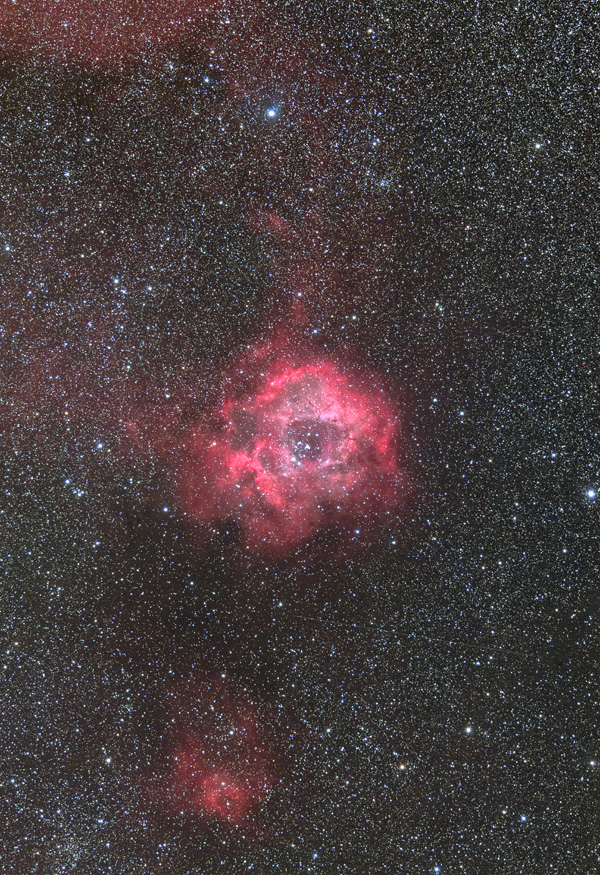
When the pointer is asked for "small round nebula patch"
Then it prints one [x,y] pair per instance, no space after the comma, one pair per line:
[222,765]
[298,446]
[226,794]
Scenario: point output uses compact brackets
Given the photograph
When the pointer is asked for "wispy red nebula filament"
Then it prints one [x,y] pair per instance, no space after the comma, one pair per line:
[308,446]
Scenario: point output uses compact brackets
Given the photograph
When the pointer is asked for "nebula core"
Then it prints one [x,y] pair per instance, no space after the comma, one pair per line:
[300,445]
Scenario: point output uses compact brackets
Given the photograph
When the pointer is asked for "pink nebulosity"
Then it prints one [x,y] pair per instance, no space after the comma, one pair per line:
[201,786]
[92,32]
[221,766]
[310,445]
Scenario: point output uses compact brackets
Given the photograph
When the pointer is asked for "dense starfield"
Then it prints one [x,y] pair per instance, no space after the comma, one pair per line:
[299,435]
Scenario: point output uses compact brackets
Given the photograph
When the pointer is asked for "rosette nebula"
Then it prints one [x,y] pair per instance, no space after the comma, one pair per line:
[298,447]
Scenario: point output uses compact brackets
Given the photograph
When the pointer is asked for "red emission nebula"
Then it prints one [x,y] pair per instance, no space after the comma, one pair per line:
[310,445]
[228,793]
[222,767]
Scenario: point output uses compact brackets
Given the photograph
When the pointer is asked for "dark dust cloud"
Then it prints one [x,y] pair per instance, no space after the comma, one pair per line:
[299,434]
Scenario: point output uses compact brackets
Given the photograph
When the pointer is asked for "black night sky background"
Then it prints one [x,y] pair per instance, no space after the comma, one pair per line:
[384,657]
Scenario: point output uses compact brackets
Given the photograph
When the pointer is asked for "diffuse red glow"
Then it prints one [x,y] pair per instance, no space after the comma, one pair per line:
[309,445]
[221,767]
[94,33]
[202,787]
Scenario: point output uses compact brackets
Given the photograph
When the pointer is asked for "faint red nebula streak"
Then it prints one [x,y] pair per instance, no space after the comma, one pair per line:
[92,32]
